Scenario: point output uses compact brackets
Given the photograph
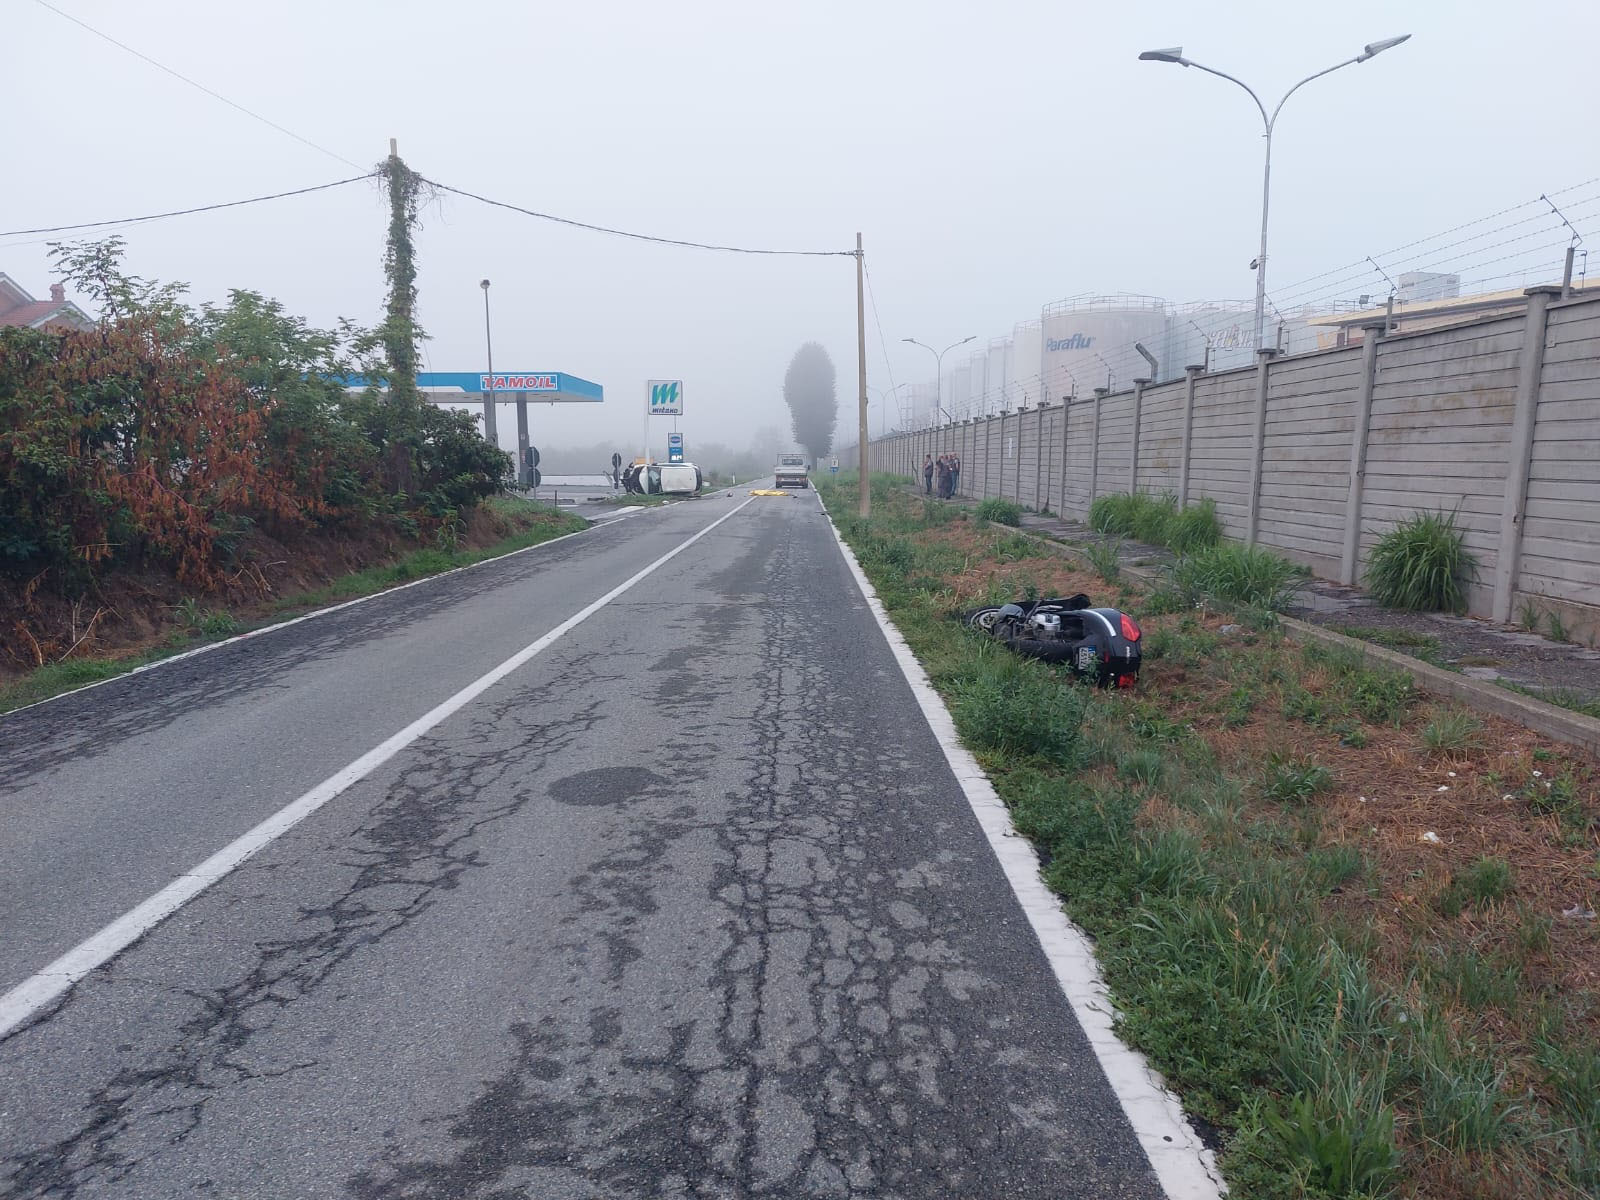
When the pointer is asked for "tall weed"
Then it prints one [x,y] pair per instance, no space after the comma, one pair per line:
[1422,565]
[1231,574]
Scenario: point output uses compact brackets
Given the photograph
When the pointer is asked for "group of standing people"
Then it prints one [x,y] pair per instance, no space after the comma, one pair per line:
[945,471]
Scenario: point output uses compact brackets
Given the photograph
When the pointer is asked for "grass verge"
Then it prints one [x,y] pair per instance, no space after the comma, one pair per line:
[194,626]
[1345,922]
[1566,698]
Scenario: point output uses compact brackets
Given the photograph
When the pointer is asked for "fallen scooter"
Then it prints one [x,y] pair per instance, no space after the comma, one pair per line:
[1099,644]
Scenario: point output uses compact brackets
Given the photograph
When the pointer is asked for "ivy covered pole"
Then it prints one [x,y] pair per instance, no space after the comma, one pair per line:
[400,270]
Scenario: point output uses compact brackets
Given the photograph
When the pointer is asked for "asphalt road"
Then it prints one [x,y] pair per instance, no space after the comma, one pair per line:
[687,905]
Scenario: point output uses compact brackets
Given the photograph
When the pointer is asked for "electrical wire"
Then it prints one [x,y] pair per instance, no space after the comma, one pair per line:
[883,343]
[255,116]
[184,212]
[639,237]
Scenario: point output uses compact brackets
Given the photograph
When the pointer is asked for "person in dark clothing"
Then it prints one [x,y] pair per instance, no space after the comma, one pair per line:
[955,473]
[927,473]
[942,468]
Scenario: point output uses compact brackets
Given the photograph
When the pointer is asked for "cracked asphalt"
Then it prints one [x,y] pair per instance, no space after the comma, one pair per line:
[689,905]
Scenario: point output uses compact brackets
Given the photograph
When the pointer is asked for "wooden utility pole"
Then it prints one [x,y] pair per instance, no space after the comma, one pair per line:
[865,507]
[399,264]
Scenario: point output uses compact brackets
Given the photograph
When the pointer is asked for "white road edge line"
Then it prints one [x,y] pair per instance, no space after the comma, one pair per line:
[45,986]
[322,612]
[1184,1165]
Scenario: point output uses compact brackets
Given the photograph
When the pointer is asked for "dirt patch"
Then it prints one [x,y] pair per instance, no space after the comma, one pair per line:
[1422,819]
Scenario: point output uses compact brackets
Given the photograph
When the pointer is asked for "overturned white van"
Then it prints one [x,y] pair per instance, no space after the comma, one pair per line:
[663,479]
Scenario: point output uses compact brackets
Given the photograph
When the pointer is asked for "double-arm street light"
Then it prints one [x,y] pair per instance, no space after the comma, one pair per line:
[883,398]
[938,366]
[1174,54]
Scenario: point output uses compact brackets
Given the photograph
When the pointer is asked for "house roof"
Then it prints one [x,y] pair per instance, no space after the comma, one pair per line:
[18,309]
[30,314]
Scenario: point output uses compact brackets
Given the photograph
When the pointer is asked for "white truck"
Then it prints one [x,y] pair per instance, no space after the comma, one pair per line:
[792,471]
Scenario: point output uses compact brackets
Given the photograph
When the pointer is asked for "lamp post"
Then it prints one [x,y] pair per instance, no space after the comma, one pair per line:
[1174,54]
[938,366]
[491,432]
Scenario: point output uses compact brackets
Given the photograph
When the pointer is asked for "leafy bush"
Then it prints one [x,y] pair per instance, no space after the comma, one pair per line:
[167,433]
[1422,565]
[1001,512]
[1232,574]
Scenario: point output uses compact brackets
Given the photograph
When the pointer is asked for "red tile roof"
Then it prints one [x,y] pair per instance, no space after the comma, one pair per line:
[30,314]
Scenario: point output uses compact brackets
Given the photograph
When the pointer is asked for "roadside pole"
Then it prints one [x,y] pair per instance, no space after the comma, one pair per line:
[865,489]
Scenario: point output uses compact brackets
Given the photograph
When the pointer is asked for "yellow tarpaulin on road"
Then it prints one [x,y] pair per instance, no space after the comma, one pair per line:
[769,492]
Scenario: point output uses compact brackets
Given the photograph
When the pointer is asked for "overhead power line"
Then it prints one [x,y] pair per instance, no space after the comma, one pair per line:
[184,212]
[639,237]
[254,116]
[883,344]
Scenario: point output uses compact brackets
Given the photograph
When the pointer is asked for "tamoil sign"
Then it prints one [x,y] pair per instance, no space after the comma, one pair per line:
[518,383]
[666,397]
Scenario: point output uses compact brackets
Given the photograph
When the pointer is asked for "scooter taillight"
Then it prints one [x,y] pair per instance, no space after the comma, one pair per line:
[1126,681]
[1129,630]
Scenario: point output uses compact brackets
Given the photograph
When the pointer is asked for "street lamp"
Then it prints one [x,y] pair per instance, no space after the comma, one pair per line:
[883,397]
[1174,54]
[938,365]
[491,433]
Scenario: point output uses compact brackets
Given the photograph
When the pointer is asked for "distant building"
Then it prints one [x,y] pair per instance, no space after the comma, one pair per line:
[1453,309]
[19,309]
[1416,286]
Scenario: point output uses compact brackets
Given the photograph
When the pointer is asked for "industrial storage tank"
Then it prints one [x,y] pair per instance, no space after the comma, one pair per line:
[978,385]
[1022,384]
[1220,334]
[1089,342]
[997,375]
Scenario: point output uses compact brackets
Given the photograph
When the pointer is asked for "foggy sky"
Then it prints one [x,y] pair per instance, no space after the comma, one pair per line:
[995,157]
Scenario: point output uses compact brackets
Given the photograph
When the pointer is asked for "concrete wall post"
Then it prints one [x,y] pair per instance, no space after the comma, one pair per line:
[1253,522]
[1100,394]
[1041,492]
[1520,451]
[1000,491]
[1066,424]
[1372,335]
[1133,452]
[1190,373]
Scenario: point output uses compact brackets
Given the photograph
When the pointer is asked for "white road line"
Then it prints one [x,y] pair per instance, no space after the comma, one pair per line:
[44,987]
[1184,1165]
